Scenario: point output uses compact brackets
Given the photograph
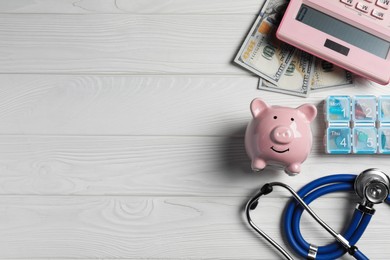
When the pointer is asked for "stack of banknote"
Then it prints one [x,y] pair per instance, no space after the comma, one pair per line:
[282,67]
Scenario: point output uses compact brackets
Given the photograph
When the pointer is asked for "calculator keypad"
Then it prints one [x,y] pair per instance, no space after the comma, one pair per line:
[376,9]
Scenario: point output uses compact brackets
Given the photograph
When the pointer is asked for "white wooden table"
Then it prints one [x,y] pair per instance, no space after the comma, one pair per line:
[122,129]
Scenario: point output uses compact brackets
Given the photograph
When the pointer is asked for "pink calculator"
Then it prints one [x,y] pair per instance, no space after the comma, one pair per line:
[354,34]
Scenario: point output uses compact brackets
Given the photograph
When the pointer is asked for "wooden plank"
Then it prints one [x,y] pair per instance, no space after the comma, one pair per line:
[121,44]
[161,228]
[131,7]
[150,166]
[141,105]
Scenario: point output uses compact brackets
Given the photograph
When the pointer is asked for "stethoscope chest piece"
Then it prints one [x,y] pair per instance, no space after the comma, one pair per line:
[372,185]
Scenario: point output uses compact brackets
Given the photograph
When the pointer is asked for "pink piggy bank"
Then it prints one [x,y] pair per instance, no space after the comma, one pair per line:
[279,135]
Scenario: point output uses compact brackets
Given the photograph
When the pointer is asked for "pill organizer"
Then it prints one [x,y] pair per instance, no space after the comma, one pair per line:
[357,125]
[354,34]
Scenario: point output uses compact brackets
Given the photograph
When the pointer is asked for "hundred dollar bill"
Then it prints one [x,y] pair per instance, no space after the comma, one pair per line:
[327,75]
[297,79]
[261,52]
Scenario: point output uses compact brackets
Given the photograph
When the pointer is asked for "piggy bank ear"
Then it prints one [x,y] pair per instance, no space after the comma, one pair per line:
[258,106]
[309,110]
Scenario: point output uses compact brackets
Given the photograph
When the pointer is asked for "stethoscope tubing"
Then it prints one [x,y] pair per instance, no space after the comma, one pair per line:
[310,192]
[292,216]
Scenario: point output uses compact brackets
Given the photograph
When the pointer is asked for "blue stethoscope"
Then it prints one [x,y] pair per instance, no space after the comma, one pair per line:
[372,186]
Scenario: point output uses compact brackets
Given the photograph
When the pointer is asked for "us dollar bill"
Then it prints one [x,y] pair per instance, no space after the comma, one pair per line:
[262,53]
[275,61]
[328,75]
[297,78]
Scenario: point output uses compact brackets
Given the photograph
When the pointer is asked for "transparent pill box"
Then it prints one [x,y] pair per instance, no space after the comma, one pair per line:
[357,125]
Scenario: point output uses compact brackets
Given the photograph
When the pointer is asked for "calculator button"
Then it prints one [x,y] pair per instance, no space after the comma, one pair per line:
[383,3]
[347,2]
[378,14]
[362,7]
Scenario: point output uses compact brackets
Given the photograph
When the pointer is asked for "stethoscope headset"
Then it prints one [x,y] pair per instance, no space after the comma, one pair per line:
[372,186]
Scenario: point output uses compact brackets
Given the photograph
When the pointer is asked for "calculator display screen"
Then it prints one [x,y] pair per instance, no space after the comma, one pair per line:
[343,31]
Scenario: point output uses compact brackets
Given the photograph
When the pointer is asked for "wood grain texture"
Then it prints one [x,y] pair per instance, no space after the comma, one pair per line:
[149,166]
[131,7]
[156,228]
[121,44]
[139,105]
[142,105]
[122,135]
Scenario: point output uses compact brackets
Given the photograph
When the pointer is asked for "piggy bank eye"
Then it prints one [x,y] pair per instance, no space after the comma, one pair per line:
[292,119]
[275,117]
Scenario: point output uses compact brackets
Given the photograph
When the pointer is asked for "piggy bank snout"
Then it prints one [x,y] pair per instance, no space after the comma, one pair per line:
[282,134]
